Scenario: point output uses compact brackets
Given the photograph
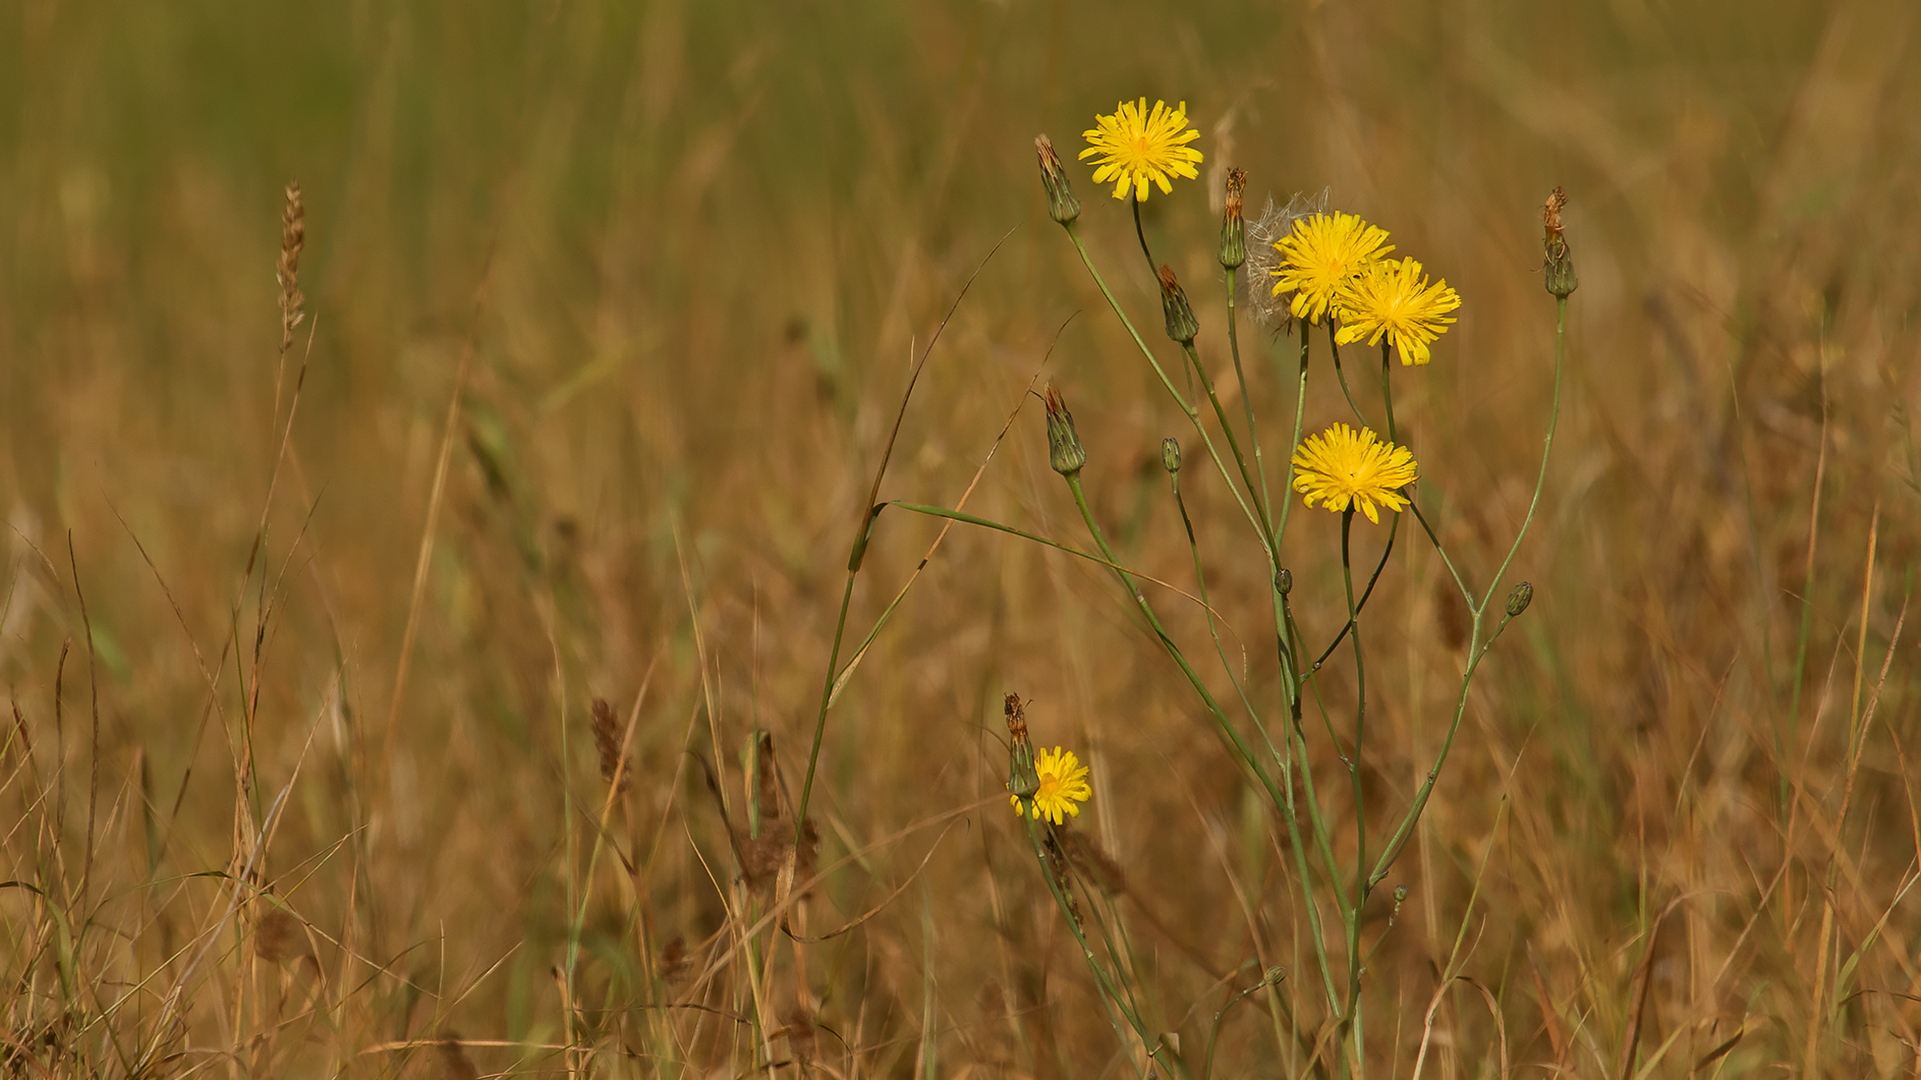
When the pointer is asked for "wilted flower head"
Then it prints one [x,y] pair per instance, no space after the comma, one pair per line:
[1264,259]
[1134,146]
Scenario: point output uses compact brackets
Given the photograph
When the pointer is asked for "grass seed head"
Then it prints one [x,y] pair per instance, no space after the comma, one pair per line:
[293,237]
[607,742]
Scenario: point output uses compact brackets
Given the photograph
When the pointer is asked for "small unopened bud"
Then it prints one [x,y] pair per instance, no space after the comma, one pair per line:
[1064,451]
[1519,599]
[1062,206]
[1022,778]
[1400,895]
[1180,317]
[1171,455]
[1284,581]
[1559,265]
[1233,228]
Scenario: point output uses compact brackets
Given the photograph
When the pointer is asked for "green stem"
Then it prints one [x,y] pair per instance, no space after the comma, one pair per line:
[1399,839]
[1214,709]
[1200,579]
[1354,778]
[1340,374]
[1111,997]
[1192,412]
[1392,531]
[1233,444]
[1300,420]
[826,695]
[1247,404]
[1153,272]
[1387,394]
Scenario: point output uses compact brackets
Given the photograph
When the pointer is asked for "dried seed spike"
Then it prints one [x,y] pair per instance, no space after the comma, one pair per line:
[766,781]
[293,237]
[607,743]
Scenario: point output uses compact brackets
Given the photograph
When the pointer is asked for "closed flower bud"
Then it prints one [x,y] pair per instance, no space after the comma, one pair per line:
[1180,317]
[1171,455]
[1284,581]
[1062,206]
[1559,265]
[1233,228]
[1400,894]
[1519,599]
[1064,451]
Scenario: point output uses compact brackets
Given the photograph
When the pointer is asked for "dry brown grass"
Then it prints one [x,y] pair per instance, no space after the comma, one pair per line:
[676,258]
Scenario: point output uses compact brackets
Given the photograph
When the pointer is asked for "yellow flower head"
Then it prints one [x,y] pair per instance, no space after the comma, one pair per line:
[1390,299]
[1320,255]
[1343,468]
[1135,146]
[1063,784]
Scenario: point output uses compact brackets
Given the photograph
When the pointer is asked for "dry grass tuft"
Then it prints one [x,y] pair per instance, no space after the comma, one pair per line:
[607,308]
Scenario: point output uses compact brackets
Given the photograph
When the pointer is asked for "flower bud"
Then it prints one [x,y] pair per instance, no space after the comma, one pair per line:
[1559,265]
[1062,206]
[1400,895]
[1181,325]
[1171,455]
[1284,581]
[1022,778]
[1233,228]
[1519,599]
[1064,451]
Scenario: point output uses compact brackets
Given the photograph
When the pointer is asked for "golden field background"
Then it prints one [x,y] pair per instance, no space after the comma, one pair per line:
[686,254]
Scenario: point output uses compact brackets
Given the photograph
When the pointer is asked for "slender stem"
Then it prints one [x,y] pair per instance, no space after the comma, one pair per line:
[1340,374]
[1547,447]
[1297,750]
[1387,393]
[1354,779]
[1247,403]
[1300,420]
[1109,994]
[1167,643]
[1233,444]
[1460,582]
[1392,531]
[1200,579]
[1401,833]
[1153,272]
[826,695]
[1193,412]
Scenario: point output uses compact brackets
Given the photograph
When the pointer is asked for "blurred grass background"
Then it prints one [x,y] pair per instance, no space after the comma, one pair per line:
[689,251]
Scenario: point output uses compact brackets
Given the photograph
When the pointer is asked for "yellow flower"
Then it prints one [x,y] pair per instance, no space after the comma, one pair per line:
[1390,299]
[1320,255]
[1135,146]
[1343,468]
[1063,783]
